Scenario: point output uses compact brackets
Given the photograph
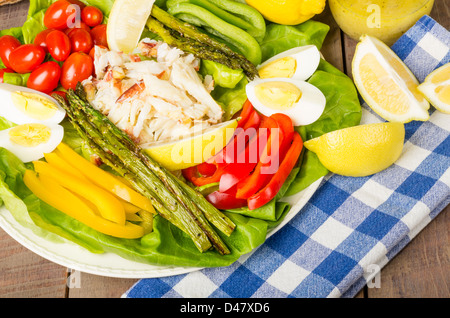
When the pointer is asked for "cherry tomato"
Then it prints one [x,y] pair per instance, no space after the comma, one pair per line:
[81,41]
[45,78]
[26,58]
[58,45]
[92,53]
[81,25]
[92,16]
[41,39]
[78,67]
[98,34]
[8,43]
[78,3]
[3,71]
[61,15]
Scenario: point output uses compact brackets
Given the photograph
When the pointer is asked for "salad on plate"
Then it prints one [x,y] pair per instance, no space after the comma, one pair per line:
[170,133]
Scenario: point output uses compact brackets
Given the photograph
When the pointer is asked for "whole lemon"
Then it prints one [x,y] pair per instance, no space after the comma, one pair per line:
[288,12]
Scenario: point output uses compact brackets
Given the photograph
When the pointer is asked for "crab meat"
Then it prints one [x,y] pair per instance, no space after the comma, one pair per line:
[153,95]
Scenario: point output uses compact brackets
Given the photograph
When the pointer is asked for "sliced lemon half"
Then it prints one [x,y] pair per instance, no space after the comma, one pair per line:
[386,84]
[191,151]
[436,88]
[361,150]
[126,22]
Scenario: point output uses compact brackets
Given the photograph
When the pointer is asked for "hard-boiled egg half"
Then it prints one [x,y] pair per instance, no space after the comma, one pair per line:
[302,102]
[37,117]
[29,142]
[298,63]
[22,105]
[281,87]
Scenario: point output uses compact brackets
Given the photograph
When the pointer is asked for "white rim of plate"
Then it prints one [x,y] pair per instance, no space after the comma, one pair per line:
[75,257]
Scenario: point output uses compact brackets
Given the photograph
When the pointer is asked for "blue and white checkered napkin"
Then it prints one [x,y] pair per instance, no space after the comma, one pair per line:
[351,227]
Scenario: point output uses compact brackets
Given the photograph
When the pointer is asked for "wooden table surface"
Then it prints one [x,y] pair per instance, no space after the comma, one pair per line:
[420,270]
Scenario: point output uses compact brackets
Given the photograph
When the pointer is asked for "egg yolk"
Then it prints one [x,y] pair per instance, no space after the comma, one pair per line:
[284,67]
[30,135]
[34,105]
[278,95]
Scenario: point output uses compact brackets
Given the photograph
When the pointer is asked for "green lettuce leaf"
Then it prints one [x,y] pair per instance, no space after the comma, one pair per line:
[5,124]
[342,110]
[16,197]
[275,210]
[166,245]
[280,38]
[231,100]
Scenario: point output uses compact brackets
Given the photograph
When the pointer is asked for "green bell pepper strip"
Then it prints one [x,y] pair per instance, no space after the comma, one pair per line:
[238,38]
[238,14]
[16,79]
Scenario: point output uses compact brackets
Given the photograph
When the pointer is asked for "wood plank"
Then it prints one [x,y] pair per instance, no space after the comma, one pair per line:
[422,269]
[424,262]
[24,274]
[332,48]
[93,286]
[13,15]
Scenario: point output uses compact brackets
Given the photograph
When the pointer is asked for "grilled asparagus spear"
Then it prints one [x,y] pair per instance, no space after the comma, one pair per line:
[117,150]
[213,215]
[186,37]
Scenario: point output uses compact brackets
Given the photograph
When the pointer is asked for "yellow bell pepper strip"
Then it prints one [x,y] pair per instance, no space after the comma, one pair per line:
[238,14]
[134,217]
[68,203]
[129,208]
[53,159]
[288,12]
[103,178]
[147,221]
[108,206]
[236,37]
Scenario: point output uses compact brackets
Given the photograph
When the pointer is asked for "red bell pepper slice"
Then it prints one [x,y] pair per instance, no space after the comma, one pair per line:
[246,160]
[191,174]
[254,182]
[247,110]
[229,152]
[267,193]
[206,169]
[226,200]
[287,127]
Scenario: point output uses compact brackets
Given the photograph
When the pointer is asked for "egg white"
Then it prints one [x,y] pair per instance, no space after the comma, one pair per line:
[307,58]
[28,154]
[9,111]
[306,111]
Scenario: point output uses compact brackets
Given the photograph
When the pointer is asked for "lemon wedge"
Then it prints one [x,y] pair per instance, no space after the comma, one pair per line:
[361,150]
[126,22]
[386,84]
[191,151]
[436,88]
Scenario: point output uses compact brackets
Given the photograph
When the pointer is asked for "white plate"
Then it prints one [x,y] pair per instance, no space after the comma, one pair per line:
[73,256]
